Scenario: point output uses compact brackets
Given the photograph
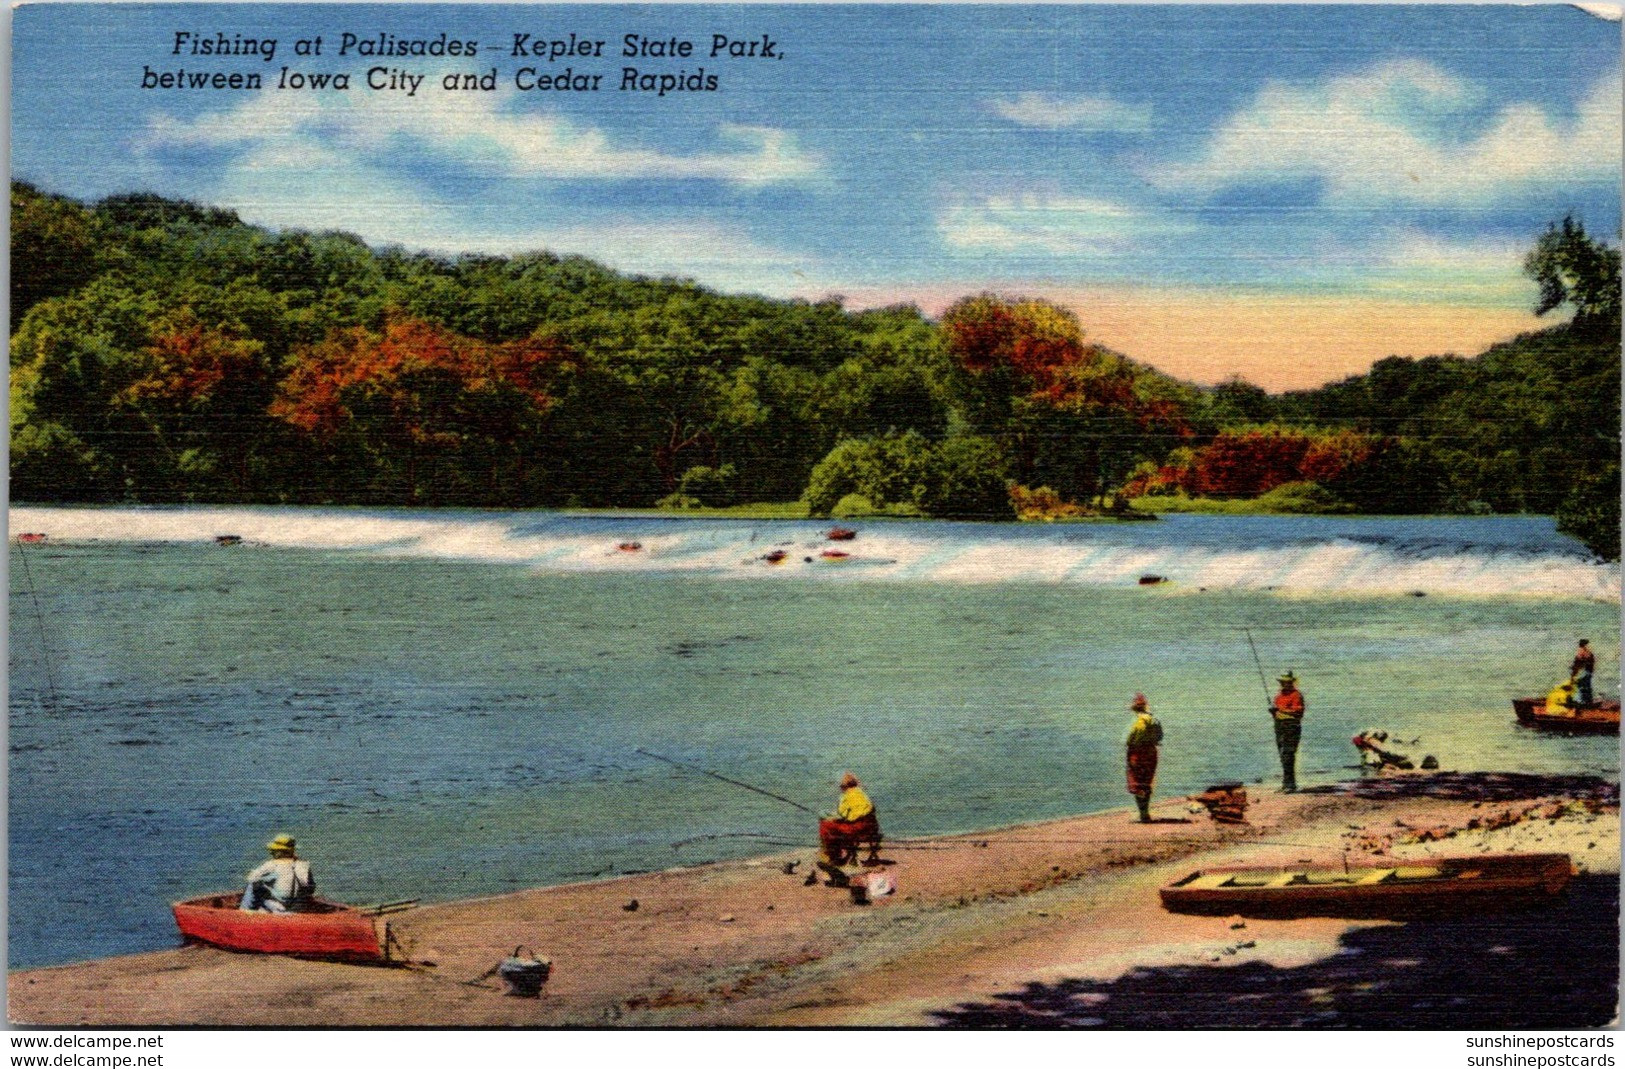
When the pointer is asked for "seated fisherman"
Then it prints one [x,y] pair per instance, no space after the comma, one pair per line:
[283,883]
[1560,702]
[853,824]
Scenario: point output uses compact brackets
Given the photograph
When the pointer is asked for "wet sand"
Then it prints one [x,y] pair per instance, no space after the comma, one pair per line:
[1050,925]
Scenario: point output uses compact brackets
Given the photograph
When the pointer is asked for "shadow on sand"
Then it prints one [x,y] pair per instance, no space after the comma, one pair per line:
[1476,786]
[1556,967]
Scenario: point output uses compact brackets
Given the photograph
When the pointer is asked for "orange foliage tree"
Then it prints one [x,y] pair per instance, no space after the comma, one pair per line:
[403,397]
[1070,413]
[199,392]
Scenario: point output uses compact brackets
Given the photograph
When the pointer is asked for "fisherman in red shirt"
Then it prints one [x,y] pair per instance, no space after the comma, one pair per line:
[1581,668]
[1287,709]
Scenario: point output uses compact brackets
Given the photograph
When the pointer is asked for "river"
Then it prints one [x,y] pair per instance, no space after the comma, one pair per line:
[443,704]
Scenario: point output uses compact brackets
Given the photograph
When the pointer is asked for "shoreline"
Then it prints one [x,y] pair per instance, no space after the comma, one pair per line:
[977,920]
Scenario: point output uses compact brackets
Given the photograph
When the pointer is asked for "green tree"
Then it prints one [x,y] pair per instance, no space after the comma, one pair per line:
[53,248]
[1591,511]
[1571,268]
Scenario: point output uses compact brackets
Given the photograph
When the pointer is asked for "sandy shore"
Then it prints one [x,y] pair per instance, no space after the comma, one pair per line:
[1047,924]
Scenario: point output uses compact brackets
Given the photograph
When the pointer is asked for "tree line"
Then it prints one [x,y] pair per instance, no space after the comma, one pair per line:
[164,351]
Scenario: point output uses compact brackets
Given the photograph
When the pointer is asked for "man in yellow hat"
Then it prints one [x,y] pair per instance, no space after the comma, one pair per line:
[853,825]
[1287,709]
[1143,738]
[283,883]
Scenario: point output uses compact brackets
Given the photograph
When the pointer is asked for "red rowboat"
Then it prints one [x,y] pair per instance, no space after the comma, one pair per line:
[1371,889]
[629,547]
[31,537]
[835,555]
[325,930]
[1598,718]
[841,534]
[776,557]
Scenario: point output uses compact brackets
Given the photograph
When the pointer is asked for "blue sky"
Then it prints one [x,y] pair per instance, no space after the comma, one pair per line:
[1178,174]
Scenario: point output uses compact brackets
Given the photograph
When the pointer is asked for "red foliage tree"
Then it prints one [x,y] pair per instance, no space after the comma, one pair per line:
[1248,463]
[414,389]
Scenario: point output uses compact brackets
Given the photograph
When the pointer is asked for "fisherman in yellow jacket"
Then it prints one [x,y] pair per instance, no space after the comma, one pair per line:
[1143,738]
[853,824]
[1560,702]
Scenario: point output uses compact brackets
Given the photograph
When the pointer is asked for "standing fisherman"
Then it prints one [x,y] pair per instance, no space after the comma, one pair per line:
[1581,668]
[1287,708]
[1143,739]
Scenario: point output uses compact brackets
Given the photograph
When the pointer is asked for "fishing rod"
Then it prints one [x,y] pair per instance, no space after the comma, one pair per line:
[39,619]
[725,779]
[1259,665]
[985,844]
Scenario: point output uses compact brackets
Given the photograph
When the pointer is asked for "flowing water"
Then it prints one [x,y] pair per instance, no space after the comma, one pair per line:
[443,704]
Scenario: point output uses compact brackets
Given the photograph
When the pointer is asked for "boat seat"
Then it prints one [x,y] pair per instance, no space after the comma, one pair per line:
[1331,877]
[1209,880]
[1376,876]
[1418,872]
[1285,879]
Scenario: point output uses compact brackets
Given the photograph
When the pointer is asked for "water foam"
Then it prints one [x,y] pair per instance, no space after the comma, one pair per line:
[1518,556]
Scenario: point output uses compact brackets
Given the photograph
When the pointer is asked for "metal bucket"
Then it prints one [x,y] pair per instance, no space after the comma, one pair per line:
[524,976]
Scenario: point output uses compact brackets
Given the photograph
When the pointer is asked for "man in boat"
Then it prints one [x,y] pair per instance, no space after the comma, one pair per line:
[282,884]
[1560,702]
[1143,738]
[853,824]
[1581,668]
[1287,709]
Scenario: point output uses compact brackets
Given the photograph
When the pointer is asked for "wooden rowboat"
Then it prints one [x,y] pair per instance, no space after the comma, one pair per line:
[326,930]
[1366,889]
[1599,718]
[841,534]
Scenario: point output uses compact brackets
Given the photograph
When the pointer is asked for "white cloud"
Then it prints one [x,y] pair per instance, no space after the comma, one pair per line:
[1411,265]
[1051,111]
[312,187]
[473,134]
[1390,135]
[1053,225]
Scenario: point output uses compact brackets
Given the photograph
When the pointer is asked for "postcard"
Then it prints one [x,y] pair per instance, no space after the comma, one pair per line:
[815,516]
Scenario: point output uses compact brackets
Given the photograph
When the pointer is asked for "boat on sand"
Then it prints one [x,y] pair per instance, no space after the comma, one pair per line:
[326,930]
[1390,888]
[1600,718]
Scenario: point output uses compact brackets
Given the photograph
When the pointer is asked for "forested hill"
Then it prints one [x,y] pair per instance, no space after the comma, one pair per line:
[164,351]
[167,351]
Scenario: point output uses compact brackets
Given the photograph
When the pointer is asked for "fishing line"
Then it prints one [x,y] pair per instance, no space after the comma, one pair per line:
[928,844]
[39,619]
[1259,665]
[725,779]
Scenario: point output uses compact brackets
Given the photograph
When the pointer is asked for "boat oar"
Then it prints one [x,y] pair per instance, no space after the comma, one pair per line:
[387,907]
[725,779]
